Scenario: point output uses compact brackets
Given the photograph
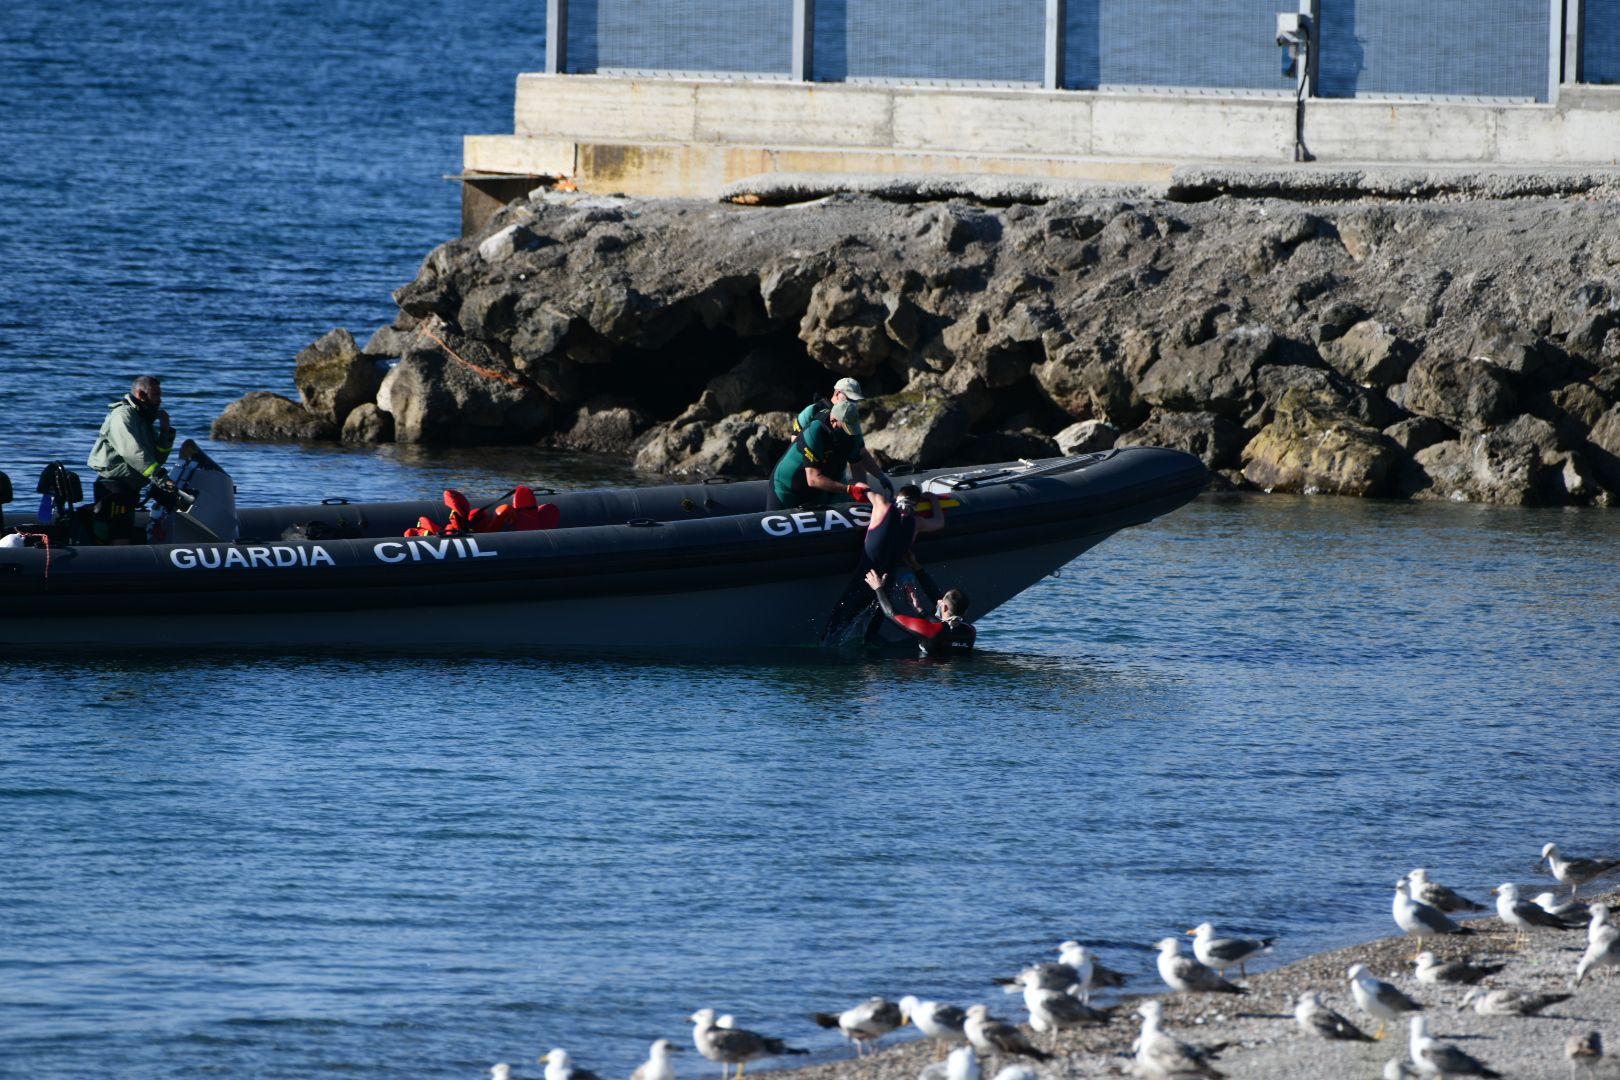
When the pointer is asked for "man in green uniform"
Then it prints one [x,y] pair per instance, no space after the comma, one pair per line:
[845,389]
[134,442]
[811,472]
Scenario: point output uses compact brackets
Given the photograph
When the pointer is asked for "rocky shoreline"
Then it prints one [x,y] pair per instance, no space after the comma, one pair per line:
[1450,347]
[1267,1043]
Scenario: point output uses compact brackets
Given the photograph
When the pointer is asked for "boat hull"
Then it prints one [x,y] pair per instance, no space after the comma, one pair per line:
[704,570]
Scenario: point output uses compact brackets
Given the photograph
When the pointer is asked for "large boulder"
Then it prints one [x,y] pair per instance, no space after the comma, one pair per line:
[367,425]
[746,445]
[1468,394]
[1369,353]
[914,427]
[270,417]
[1328,389]
[1311,447]
[1095,380]
[604,425]
[1086,437]
[1518,464]
[435,398]
[333,376]
[1217,375]
[844,325]
[1604,443]
[1213,439]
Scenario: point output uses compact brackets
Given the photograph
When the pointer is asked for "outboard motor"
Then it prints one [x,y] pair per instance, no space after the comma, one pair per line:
[5,497]
[60,491]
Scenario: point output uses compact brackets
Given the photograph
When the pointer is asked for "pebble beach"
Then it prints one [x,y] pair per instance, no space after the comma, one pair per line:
[1267,1044]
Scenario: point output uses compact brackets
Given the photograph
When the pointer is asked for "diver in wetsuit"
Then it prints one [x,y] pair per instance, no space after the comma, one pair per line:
[948,633]
[893,528]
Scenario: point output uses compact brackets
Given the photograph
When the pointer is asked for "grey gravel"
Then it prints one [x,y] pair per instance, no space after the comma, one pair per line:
[1268,1045]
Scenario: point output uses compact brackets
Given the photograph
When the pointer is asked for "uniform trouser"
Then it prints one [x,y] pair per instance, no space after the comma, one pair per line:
[113,514]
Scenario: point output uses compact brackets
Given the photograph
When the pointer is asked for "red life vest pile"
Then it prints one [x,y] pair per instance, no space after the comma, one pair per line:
[522,514]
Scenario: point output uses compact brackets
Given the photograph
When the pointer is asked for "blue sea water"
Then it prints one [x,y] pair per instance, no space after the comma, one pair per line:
[1256,711]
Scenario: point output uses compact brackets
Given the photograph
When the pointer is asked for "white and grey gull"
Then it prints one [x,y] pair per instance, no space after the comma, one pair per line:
[1315,1018]
[732,1045]
[1435,1058]
[1437,895]
[866,1023]
[1576,872]
[1419,920]
[1378,999]
[1222,953]
[1186,975]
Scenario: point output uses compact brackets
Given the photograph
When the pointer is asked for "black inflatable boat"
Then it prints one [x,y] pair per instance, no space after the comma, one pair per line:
[696,565]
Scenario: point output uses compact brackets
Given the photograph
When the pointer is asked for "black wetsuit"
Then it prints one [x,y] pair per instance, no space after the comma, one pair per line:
[935,638]
[889,540]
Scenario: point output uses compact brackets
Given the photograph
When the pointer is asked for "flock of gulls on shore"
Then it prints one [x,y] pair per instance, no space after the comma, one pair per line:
[1057,995]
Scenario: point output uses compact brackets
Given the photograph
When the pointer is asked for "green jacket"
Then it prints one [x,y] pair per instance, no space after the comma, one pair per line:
[828,450]
[128,447]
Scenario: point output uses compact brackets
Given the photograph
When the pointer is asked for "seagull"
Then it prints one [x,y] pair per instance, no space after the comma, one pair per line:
[1076,971]
[1565,909]
[1584,1051]
[733,1046]
[1602,950]
[864,1024]
[1509,1002]
[657,1066]
[1522,915]
[1598,923]
[559,1067]
[1576,872]
[1433,972]
[1317,1019]
[942,1023]
[1090,972]
[991,1037]
[1050,1011]
[1222,953]
[500,1071]
[1187,975]
[1017,1072]
[1417,919]
[1164,1056]
[962,1064]
[1437,895]
[1435,1058]
[1397,1069]
[1379,1000]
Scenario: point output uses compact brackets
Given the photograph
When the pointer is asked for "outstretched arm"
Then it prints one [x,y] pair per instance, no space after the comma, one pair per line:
[927,629]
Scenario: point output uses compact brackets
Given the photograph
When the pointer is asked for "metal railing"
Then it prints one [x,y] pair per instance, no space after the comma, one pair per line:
[1512,50]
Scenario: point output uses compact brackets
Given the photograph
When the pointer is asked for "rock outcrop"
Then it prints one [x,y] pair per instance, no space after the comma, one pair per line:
[1465,349]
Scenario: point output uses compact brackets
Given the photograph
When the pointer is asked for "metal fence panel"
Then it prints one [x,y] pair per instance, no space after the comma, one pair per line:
[681,36]
[998,41]
[1214,44]
[1600,52]
[1469,48]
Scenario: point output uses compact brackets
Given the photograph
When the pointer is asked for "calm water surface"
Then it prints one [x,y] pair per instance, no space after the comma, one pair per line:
[1257,711]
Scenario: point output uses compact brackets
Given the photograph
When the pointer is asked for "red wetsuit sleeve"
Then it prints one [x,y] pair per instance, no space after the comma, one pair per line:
[923,628]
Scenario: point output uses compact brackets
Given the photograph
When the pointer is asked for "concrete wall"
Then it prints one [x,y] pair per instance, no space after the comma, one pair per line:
[694,136]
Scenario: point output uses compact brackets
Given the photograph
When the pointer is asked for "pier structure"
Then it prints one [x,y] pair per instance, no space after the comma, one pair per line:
[689,97]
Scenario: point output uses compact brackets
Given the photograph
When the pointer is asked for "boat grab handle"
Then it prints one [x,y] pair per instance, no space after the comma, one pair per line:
[642,523]
[338,501]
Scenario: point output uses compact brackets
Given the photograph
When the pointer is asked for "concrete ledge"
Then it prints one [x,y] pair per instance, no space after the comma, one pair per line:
[693,137]
[705,170]
[517,154]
